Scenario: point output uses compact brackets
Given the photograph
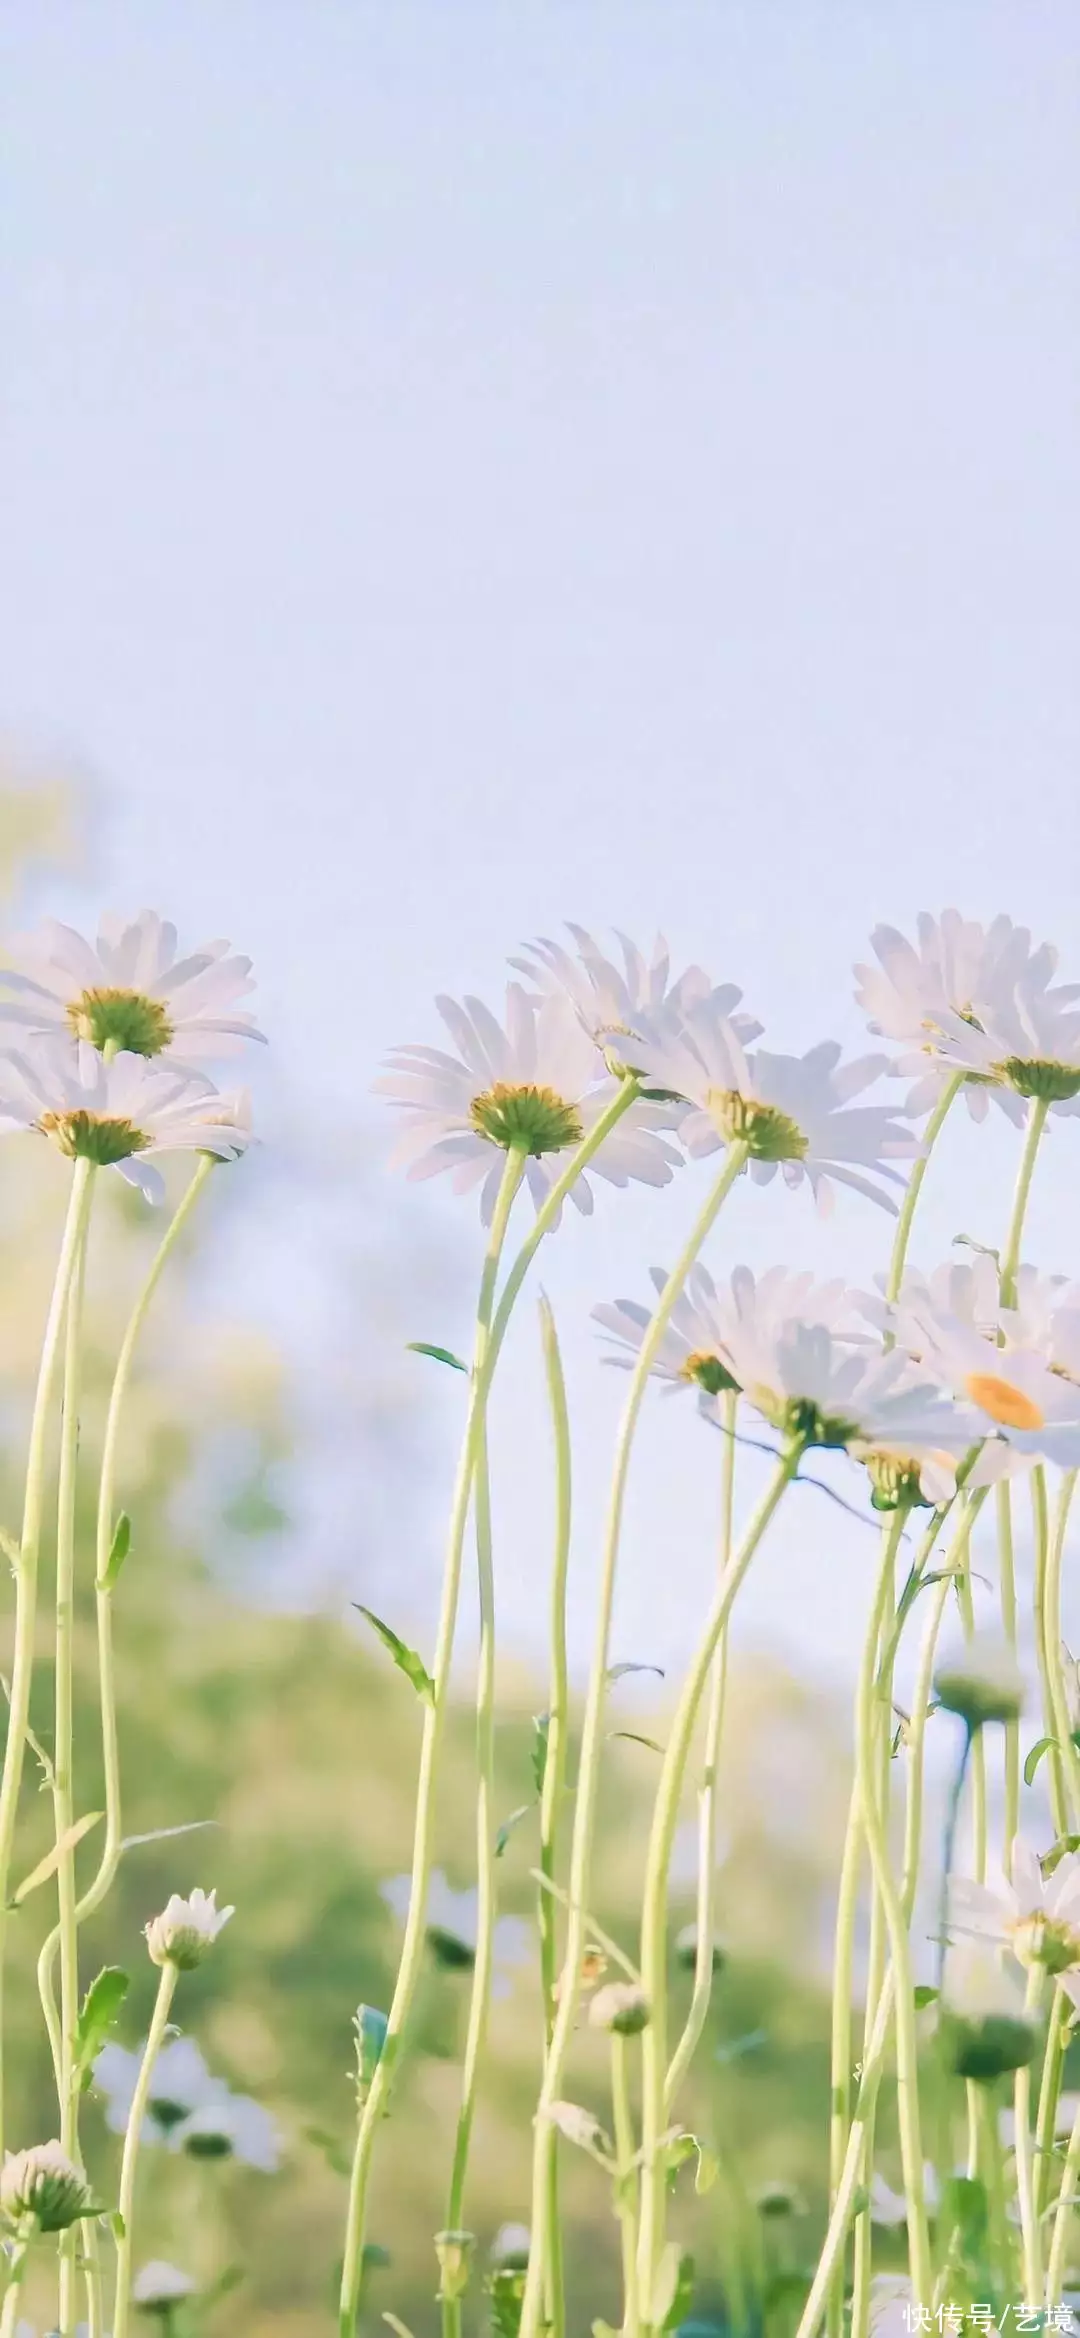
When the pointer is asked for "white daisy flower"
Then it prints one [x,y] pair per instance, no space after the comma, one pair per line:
[969,1292]
[181,2083]
[1036,1916]
[610,999]
[981,1682]
[452,1921]
[160,2285]
[236,2128]
[510,2247]
[1046,1317]
[889,2208]
[129,990]
[808,1380]
[185,1929]
[693,1350]
[120,1114]
[1026,1047]
[792,1111]
[539,1084]
[1026,1411]
[960,972]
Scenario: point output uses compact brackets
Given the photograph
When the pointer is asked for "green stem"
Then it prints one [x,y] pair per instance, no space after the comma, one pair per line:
[910,1202]
[1025,2178]
[862,2269]
[64,1751]
[412,1953]
[841,2052]
[1010,1256]
[1002,2251]
[26,1573]
[13,2292]
[101,1883]
[625,2181]
[1051,1606]
[1068,2201]
[979,1812]
[1048,1660]
[1007,1572]
[486,1871]
[705,1926]
[554,1781]
[1057,2041]
[952,1813]
[851,2172]
[592,1741]
[654,1927]
[132,2144]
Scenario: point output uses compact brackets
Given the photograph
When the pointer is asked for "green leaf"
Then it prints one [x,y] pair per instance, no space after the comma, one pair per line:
[406,1659]
[332,2152]
[619,1671]
[635,1738]
[191,1826]
[924,1995]
[100,2013]
[422,1347]
[1057,1852]
[48,1866]
[673,2288]
[541,1726]
[400,2329]
[1041,1746]
[708,2170]
[121,1544]
[508,1825]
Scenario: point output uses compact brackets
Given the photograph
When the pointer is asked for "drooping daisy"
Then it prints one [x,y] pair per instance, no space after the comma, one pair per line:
[1025,1411]
[235,2128]
[120,1114]
[693,1350]
[129,990]
[610,999]
[181,2084]
[537,1085]
[1036,1916]
[452,1920]
[160,2286]
[960,972]
[793,1112]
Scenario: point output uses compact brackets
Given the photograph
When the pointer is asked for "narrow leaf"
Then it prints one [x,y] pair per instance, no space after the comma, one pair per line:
[1042,1745]
[406,1659]
[332,2152]
[673,2288]
[541,1726]
[121,1544]
[508,1825]
[619,1671]
[423,1347]
[191,1826]
[400,2329]
[924,1995]
[48,1866]
[635,1737]
[100,2012]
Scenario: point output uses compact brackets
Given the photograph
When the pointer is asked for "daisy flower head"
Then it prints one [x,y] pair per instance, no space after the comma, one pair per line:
[958,973]
[985,2029]
[1035,1916]
[982,1683]
[1028,1049]
[129,991]
[611,998]
[792,1112]
[185,1929]
[158,2287]
[693,1351]
[535,1085]
[237,2128]
[181,2084]
[43,2187]
[452,1927]
[1025,1410]
[120,1113]
[969,1292]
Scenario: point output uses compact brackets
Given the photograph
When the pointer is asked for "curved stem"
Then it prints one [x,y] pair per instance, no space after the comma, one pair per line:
[1025,2178]
[705,1928]
[26,1573]
[592,1747]
[851,2172]
[132,2145]
[486,1871]
[412,1951]
[977,1750]
[655,1896]
[1010,1256]
[64,1751]
[1007,1573]
[554,1779]
[12,2294]
[1049,2091]
[625,2181]
[841,2056]
[1048,1660]
[1068,2202]
[1063,1726]
[908,1206]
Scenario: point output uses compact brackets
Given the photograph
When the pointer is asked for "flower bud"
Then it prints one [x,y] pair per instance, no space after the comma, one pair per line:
[775,2201]
[43,2187]
[985,2032]
[686,1947]
[185,1929]
[371,2027]
[160,2287]
[1041,1939]
[454,2252]
[620,2008]
[983,1684]
[510,2247]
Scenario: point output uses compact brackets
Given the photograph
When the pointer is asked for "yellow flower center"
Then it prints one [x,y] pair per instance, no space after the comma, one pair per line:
[1004,1402]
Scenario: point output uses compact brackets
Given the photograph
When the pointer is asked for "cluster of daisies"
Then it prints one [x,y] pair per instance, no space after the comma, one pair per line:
[109,1040]
[942,1374]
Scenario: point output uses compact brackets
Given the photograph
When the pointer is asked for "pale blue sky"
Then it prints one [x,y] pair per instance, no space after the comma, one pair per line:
[470,465]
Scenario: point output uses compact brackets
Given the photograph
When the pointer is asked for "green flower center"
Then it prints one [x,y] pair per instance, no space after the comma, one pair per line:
[525,1120]
[1045,1940]
[165,2113]
[769,1135]
[131,1022]
[453,1954]
[88,1136]
[799,1417]
[1048,1083]
[208,2146]
[894,1478]
[707,1371]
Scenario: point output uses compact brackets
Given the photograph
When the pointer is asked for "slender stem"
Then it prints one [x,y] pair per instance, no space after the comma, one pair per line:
[862,2268]
[592,1740]
[1010,1256]
[554,1780]
[910,1201]
[851,2172]
[1025,2178]
[625,2181]
[1068,2200]
[1049,2091]
[655,1895]
[705,1926]
[101,1883]
[979,1811]
[26,1574]
[847,1911]
[486,1871]
[64,1750]
[956,1558]
[1051,1607]
[948,1852]
[1048,1658]
[132,2143]
[548,1214]
[13,2292]
[412,1952]
[1000,2231]
[1007,1574]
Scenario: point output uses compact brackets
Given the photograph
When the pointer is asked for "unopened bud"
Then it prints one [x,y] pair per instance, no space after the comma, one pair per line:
[185,1929]
[454,2252]
[620,2007]
[43,2187]
[985,2032]
[983,1684]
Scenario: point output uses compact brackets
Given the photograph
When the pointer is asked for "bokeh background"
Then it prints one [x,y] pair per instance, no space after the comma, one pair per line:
[463,468]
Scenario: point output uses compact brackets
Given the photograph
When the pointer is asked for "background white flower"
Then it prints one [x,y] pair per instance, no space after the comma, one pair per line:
[539,1083]
[960,971]
[1007,1912]
[1026,1411]
[236,2127]
[130,988]
[452,1926]
[120,1114]
[181,2084]
[610,998]
[159,2284]
[1029,1046]
[693,1349]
